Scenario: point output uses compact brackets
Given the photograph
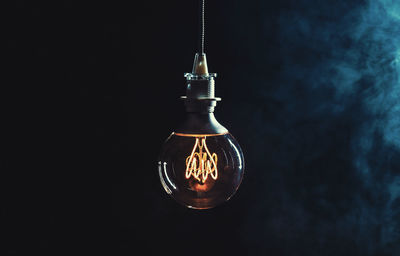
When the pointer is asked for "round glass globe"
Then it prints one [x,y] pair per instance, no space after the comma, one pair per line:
[201,171]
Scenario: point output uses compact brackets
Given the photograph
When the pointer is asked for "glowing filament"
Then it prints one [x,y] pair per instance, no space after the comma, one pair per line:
[200,164]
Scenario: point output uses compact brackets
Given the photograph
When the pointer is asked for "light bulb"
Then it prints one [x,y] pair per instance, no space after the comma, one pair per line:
[201,164]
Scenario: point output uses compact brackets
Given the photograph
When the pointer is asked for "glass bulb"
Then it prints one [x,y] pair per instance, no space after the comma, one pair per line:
[201,171]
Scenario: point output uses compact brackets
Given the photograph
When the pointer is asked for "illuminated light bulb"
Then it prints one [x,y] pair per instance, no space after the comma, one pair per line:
[201,164]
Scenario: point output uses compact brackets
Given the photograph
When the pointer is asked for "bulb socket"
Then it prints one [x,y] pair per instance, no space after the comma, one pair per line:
[200,100]
[200,89]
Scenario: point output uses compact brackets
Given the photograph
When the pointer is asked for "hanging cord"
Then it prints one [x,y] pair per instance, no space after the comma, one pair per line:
[202,26]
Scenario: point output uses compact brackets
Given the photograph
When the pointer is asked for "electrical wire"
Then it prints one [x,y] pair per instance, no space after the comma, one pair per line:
[202,22]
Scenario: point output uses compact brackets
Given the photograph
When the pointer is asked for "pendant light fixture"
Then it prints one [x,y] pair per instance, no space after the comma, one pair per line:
[201,164]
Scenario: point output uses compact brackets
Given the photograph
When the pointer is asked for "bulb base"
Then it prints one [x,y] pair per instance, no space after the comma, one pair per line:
[201,123]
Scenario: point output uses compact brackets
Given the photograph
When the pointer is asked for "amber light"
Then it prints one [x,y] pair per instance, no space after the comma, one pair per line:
[201,163]
[201,171]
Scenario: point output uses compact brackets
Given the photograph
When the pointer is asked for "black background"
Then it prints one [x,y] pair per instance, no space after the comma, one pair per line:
[92,91]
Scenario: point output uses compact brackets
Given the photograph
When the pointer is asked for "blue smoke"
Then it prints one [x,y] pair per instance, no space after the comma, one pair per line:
[379,33]
[331,131]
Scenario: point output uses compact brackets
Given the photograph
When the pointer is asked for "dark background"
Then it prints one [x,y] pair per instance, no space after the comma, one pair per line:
[310,90]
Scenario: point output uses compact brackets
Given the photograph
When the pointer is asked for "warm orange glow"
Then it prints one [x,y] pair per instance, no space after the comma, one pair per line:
[201,163]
